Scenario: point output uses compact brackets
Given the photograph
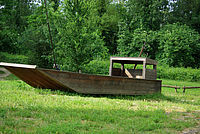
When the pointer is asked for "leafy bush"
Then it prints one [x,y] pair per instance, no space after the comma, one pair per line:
[179,46]
[6,57]
[97,67]
[8,40]
[37,51]
[186,74]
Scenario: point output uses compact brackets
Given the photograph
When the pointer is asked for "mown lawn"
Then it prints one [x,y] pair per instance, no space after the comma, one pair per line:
[24,109]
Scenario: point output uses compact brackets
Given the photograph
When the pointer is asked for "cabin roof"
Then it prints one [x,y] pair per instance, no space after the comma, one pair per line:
[133,60]
[17,65]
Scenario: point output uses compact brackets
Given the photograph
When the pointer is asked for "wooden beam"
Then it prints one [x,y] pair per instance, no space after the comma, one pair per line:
[175,87]
[17,65]
[133,60]
[111,67]
[151,62]
[122,69]
[188,88]
[144,70]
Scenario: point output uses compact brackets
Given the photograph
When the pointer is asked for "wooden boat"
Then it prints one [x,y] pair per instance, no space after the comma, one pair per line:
[120,82]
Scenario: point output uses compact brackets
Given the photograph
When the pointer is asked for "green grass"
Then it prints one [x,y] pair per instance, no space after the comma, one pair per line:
[24,109]
[11,77]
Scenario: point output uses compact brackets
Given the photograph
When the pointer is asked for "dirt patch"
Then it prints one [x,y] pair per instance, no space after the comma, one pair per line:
[196,129]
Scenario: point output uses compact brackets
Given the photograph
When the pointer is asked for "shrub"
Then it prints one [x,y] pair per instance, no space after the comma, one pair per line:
[179,73]
[13,58]
[179,46]
[97,67]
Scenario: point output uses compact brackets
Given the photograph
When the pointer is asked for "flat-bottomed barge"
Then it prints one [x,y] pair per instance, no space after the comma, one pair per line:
[120,82]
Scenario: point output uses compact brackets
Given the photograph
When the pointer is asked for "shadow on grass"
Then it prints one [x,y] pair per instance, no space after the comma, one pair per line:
[150,97]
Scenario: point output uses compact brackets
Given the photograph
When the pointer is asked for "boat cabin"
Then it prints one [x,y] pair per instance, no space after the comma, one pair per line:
[143,73]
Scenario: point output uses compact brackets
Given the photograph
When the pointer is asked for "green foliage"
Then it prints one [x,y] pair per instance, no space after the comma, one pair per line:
[1,72]
[124,39]
[108,18]
[185,74]
[13,58]
[185,12]
[142,19]
[175,44]
[38,51]
[79,36]
[13,20]
[179,46]
[11,77]
[130,45]
[97,67]
[148,15]
[8,40]
[35,40]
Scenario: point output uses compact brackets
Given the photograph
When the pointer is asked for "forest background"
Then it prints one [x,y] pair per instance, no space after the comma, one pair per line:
[88,32]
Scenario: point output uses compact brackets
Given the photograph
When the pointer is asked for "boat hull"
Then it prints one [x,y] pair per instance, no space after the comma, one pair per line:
[84,83]
[95,84]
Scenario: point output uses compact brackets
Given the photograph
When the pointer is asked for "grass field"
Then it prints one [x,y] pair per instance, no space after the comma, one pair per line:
[24,109]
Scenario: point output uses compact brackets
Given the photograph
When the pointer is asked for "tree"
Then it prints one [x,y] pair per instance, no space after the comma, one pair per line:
[142,19]
[179,46]
[109,17]
[146,14]
[35,39]
[80,40]
[13,20]
[124,38]
[186,12]
[138,39]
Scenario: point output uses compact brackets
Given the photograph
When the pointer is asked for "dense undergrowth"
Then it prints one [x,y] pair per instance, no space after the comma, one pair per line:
[13,58]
